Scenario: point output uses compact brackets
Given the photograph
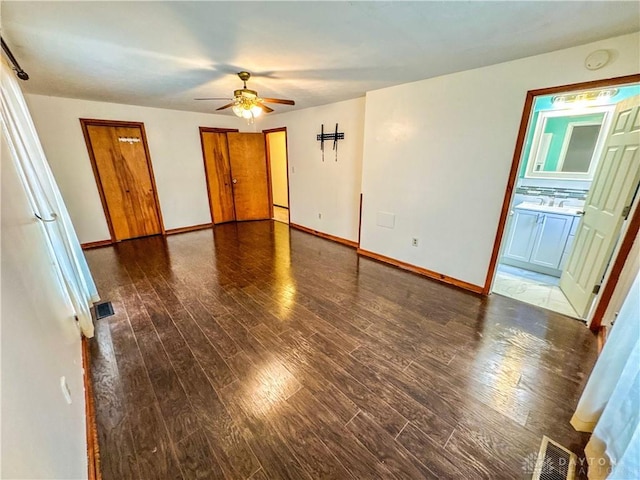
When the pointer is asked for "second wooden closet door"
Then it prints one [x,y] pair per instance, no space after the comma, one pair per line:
[237,176]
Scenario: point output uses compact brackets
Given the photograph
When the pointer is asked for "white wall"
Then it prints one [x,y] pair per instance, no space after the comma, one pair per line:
[42,435]
[174,145]
[329,188]
[437,154]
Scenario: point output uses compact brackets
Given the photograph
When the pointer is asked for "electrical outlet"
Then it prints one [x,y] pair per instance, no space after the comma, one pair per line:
[293,169]
[320,216]
[414,242]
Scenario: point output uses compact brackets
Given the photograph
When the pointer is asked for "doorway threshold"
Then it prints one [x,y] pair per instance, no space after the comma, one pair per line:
[532,290]
[281,214]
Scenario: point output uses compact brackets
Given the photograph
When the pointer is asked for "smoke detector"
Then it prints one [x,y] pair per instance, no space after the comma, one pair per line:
[596,60]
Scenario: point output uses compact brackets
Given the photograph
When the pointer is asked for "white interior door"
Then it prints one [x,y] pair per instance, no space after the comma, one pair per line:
[614,185]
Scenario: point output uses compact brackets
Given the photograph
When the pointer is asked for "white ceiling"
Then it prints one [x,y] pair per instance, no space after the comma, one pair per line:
[164,54]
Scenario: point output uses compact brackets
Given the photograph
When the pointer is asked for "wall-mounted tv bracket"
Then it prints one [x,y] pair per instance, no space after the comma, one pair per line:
[321,137]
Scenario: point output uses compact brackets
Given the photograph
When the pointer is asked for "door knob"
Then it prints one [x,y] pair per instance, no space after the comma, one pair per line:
[235,180]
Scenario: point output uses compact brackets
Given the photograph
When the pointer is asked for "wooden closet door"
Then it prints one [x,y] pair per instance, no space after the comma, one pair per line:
[249,176]
[218,171]
[124,176]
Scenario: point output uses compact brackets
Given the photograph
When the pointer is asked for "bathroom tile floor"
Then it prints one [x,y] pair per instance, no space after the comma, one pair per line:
[532,287]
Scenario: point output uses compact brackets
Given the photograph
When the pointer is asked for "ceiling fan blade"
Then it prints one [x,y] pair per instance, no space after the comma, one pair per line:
[226,106]
[213,98]
[279,100]
[265,108]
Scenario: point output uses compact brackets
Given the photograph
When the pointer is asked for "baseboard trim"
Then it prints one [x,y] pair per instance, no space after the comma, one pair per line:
[98,244]
[192,228]
[173,231]
[327,236]
[93,448]
[422,271]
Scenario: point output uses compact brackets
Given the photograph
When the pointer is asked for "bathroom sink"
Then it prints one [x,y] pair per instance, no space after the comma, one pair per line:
[565,210]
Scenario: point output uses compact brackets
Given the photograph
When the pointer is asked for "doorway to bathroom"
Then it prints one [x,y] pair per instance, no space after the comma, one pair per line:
[576,184]
[277,160]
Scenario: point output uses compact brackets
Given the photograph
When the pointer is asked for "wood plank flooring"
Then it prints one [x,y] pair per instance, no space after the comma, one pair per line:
[253,351]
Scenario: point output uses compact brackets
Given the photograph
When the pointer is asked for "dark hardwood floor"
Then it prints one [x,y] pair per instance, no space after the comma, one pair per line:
[253,351]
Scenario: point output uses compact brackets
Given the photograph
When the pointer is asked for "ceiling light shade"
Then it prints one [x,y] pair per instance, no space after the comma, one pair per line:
[246,107]
[256,110]
[237,109]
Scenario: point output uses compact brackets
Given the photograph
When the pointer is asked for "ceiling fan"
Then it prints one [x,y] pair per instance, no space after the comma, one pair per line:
[246,103]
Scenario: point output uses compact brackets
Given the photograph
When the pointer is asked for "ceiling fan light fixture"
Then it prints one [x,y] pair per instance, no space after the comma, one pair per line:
[247,108]
[246,103]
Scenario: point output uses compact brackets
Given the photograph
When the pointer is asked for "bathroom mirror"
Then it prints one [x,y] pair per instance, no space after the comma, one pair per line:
[567,143]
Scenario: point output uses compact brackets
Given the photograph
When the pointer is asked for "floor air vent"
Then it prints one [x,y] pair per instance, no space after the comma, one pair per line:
[554,462]
[104,309]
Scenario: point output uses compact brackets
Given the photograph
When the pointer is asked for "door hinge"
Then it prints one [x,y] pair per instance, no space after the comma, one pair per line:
[625,211]
[596,289]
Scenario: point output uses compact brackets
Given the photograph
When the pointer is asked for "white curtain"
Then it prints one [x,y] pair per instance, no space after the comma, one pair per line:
[45,198]
[610,404]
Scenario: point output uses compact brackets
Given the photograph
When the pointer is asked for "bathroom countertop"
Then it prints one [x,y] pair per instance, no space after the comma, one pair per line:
[565,210]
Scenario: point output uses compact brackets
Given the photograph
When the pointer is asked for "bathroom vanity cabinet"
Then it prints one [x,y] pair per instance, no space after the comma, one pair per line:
[539,238]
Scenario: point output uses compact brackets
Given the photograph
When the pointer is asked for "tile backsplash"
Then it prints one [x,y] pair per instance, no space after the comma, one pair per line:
[552,192]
